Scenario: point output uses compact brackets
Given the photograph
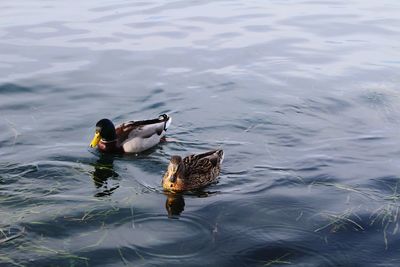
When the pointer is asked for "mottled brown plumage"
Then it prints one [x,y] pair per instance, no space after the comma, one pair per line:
[193,172]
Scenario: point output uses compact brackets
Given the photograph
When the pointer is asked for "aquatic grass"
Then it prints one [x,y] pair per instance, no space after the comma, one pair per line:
[349,188]
[386,216]
[124,261]
[341,221]
[6,237]
[388,213]
[99,242]
[9,261]
[28,213]
[279,260]
[39,249]
[138,254]
[104,213]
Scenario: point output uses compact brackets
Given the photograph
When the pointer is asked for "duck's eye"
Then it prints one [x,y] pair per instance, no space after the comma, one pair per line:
[171,185]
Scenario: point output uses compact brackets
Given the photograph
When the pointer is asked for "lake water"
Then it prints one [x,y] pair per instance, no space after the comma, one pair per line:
[303,96]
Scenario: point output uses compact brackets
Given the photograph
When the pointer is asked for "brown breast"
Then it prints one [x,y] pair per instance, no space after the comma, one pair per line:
[110,147]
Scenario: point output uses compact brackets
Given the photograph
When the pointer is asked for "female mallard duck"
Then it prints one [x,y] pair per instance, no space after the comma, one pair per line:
[193,172]
[130,137]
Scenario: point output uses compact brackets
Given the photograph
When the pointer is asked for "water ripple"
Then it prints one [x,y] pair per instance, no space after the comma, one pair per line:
[157,236]
[301,95]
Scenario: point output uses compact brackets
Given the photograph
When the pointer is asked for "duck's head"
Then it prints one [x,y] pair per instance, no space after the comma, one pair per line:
[175,164]
[105,130]
[172,178]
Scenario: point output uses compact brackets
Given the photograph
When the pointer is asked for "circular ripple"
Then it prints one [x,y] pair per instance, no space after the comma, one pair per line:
[159,236]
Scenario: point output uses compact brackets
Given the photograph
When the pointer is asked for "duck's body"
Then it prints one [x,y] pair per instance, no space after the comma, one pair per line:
[193,172]
[130,137]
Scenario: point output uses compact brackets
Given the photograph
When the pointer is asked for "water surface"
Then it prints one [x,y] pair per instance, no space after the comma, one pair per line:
[303,96]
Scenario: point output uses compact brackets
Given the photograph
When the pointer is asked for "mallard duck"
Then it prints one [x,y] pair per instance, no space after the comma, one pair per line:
[193,172]
[130,137]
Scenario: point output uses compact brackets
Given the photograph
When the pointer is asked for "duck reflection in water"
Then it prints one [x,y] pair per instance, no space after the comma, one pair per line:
[174,204]
[103,172]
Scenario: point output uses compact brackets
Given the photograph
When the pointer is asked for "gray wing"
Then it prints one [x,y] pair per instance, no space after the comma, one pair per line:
[146,131]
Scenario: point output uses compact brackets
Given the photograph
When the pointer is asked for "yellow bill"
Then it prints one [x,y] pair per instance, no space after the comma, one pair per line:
[96,140]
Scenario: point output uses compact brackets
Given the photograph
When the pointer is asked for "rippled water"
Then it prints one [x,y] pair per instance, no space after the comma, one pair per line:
[303,96]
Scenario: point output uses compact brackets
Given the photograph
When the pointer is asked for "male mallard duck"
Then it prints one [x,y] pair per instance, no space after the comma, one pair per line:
[193,172]
[130,137]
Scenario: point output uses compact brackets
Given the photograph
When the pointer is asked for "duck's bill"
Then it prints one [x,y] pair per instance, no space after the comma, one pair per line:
[95,140]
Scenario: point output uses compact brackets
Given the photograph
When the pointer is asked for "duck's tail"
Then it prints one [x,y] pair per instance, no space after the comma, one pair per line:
[167,119]
[220,154]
